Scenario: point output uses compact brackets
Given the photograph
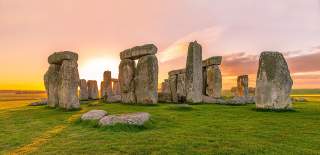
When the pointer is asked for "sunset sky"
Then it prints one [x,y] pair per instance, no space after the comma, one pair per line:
[239,30]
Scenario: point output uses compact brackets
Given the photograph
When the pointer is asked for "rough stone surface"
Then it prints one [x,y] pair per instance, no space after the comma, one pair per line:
[93,92]
[214,81]
[165,86]
[131,119]
[138,52]
[83,89]
[102,90]
[194,73]
[181,87]
[58,57]
[93,115]
[116,88]
[51,82]
[164,97]
[107,84]
[233,101]
[68,85]
[126,80]
[242,86]
[204,81]
[146,80]
[114,99]
[215,60]
[274,83]
[173,79]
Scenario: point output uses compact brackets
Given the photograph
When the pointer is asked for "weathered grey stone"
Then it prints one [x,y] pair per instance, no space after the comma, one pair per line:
[209,99]
[138,52]
[165,86]
[116,88]
[51,82]
[233,101]
[242,86]
[181,87]
[214,81]
[274,83]
[58,57]
[164,97]
[204,81]
[107,84]
[146,80]
[114,99]
[176,72]
[93,115]
[83,89]
[68,85]
[194,73]
[215,60]
[173,79]
[131,119]
[93,92]
[126,80]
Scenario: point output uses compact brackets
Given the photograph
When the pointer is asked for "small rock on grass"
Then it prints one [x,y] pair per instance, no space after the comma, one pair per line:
[130,119]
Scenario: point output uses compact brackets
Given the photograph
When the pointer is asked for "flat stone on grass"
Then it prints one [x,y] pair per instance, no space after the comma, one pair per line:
[130,119]
[94,115]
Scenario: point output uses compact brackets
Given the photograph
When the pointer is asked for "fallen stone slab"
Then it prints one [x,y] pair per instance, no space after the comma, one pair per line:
[215,60]
[93,115]
[114,99]
[58,57]
[131,119]
[164,97]
[138,52]
[39,103]
[233,101]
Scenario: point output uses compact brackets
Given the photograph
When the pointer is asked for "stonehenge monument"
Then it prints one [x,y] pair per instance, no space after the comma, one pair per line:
[194,76]
[62,80]
[107,84]
[212,79]
[93,92]
[116,87]
[242,86]
[139,84]
[177,85]
[274,83]
[83,89]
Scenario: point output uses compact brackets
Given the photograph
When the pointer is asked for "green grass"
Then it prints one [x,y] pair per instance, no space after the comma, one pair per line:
[199,129]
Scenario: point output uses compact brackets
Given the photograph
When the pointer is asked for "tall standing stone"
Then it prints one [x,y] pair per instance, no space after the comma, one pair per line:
[194,73]
[274,83]
[126,80]
[116,87]
[242,86]
[181,87]
[214,81]
[83,89]
[68,85]
[146,80]
[51,81]
[93,92]
[102,90]
[173,79]
[107,84]
[165,87]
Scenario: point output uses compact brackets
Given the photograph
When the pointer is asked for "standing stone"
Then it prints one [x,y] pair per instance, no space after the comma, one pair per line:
[51,81]
[252,91]
[68,85]
[194,73]
[93,92]
[126,80]
[173,87]
[181,87]
[102,90]
[83,89]
[146,80]
[233,91]
[165,87]
[214,81]
[204,81]
[116,87]
[242,86]
[274,83]
[107,83]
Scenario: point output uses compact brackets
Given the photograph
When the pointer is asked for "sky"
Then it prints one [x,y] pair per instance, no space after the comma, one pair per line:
[98,30]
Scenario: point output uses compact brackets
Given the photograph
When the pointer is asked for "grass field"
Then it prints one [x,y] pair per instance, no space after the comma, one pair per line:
[203,129]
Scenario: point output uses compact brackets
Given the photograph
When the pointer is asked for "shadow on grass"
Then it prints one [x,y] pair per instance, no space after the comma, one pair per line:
[184,107]
[61,109]
[274,110]
[117,127]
